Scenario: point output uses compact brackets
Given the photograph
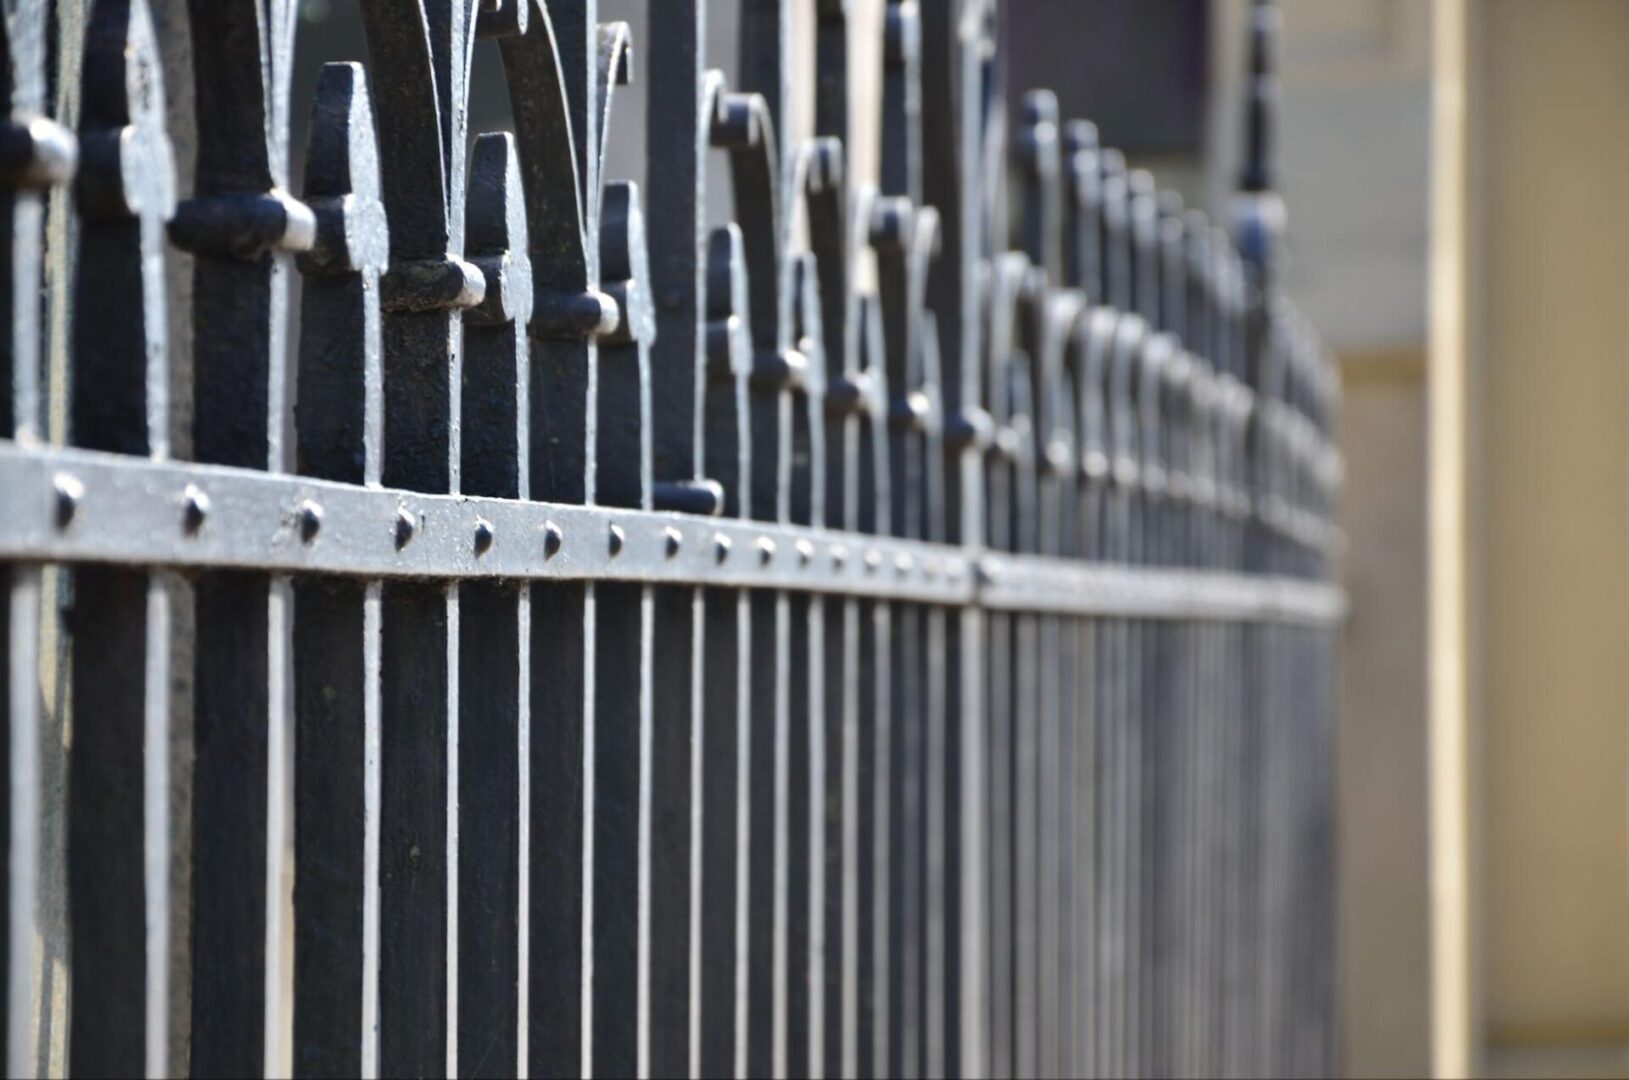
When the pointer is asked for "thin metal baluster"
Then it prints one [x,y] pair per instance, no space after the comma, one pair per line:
[1200,703]
[941,946]
[1229,680]
[1063,457]
[1053,311]
[902,237]
[339,436]
[622,824]
[727,450]
[553,70]
[1007,276]
[494,627]
[904,660]
[1238,945]
[875,509]
[423,55]
[1223,680]
[680,103]
[806,706]
[1245,726]
[1199,698]
[1026,706]
[1146,508]
[241,226]
[1095,341]
[953,57]
[1163,354]
[1181,807]
[1162,249]
[20,691]
[834,791]
[763,183]
[118,797]
[1088,348]
[918,459]
[1114,763]
[1233,676]
[47,160]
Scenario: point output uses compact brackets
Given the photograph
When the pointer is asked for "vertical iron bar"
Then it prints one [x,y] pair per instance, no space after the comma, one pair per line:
[240,227]
[621,916]
[494,626]
[727,448]
[552,66]
[118,819]
[680,103]
[807,708]
[339,436]
[424,56]
[50,161]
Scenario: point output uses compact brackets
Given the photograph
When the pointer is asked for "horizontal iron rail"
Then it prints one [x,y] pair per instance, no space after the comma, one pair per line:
[64,505]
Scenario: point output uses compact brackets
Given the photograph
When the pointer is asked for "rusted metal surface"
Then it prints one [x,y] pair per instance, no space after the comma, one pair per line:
[890,633]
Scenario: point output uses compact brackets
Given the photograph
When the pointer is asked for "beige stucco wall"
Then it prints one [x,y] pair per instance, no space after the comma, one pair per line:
[1555,483]
[1542,471]
[1385,1008]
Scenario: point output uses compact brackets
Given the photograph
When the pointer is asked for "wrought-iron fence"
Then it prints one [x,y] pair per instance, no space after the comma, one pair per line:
[829,644]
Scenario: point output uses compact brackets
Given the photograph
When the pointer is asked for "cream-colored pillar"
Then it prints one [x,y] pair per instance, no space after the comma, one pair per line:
[1530,538]
[1449,543]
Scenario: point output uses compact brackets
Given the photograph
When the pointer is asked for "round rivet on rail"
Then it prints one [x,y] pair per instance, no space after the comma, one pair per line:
[672,540]
[483,536]
[766,550]
[903,564]
[839,556]
[805,552]
[615,540]
[552,539]
[930,568]
[68,493]
[721,547]
[310,515]
[406,526]
[873,559]
[194,508]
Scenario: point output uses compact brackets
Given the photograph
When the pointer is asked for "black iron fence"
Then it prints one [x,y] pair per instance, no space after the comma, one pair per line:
[594,643]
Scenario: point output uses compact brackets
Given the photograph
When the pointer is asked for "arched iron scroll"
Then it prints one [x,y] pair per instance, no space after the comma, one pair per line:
[889,630]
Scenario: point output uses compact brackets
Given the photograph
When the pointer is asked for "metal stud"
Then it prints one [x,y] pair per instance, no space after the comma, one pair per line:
[805,552]
[406,526]
[721,547]
[194,508]
[615,540]
[310,520]
[766,550]
[672,540]
[553,538]
[68,493]
[483,536]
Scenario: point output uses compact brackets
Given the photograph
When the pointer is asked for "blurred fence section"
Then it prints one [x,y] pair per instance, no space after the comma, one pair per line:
[889,634]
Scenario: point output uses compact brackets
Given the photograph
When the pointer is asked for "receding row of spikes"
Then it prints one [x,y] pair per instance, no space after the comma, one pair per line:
[1122,298]
[1107,232]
